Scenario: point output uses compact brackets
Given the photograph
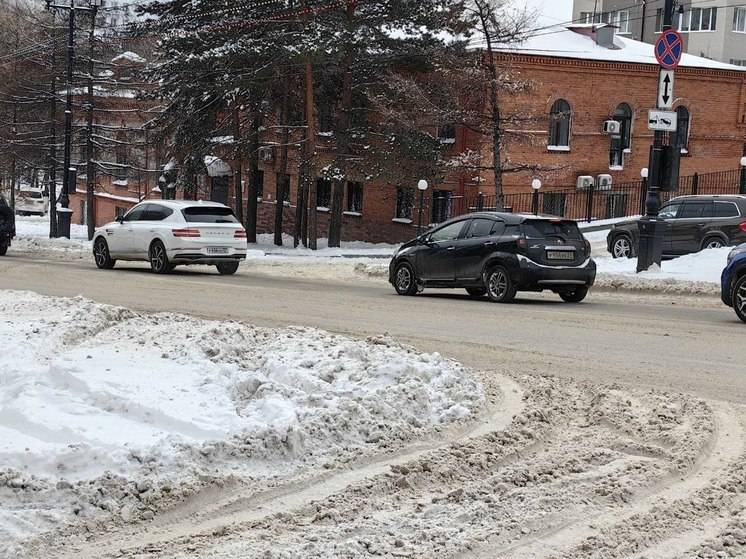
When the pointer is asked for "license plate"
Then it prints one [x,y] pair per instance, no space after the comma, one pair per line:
[217,250]
[560,255]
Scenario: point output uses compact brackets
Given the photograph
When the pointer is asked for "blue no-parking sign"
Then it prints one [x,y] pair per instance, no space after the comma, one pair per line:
[668,49]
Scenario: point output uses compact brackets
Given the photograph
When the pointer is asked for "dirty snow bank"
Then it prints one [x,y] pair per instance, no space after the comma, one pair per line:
[32,236]
[103,409]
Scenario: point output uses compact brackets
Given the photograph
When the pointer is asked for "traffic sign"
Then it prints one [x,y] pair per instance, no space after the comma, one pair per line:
[665,89]
[662,121]
[668,49]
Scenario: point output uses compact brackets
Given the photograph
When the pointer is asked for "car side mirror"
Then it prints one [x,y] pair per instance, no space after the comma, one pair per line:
[120,219]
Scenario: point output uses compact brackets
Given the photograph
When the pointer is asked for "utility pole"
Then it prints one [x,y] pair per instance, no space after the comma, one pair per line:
[65,200]
[651,228]
[644,14]
[53,134]
[90,167]
[238,180]
[311,147]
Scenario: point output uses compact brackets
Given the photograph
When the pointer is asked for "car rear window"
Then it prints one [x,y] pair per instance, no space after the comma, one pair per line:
[726,209]
[540,229]
[209,215]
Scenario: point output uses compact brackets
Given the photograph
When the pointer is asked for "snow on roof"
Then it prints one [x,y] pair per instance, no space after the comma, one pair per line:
[563,42]
[216,167]
[129,56]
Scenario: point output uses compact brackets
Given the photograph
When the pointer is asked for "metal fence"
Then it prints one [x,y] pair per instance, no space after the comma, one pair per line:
[592,204]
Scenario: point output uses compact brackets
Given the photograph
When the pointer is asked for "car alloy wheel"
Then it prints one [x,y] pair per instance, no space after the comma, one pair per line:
[714,243]
[159,259]
[500,288]
[622,247]
[101,255]
[404,280]
[739,298]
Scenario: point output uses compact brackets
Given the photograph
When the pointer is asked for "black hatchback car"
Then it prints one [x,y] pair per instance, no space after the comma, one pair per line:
[693,223]
[497,254]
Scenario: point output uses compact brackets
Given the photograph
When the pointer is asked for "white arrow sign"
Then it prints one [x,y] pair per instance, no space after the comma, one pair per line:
[665,89]
[663,121]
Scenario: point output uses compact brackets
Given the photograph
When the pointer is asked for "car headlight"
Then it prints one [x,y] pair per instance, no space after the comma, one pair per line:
[741,249]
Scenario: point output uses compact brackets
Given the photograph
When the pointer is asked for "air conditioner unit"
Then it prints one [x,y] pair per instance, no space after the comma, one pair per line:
[267,153]
[585,182]
[604,182]
[612,127]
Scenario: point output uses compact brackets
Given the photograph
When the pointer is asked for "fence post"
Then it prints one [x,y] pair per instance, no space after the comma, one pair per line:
[695,184]
[589,206]
[643,195]
[480,202]
[742,189]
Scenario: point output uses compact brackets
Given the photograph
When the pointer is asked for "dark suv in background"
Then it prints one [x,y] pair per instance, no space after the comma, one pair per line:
[497,254]
[693,223]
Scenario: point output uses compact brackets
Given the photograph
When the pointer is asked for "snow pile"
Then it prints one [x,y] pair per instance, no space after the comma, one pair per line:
[92,395]
[32,236]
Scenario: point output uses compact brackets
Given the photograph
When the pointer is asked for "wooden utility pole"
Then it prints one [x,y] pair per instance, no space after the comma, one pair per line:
[53,137]
[238,177]
[90,217]
[311,147]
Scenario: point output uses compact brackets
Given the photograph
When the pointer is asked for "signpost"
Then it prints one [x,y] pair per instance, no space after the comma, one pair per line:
[663,165]
[662,121]
[665,89]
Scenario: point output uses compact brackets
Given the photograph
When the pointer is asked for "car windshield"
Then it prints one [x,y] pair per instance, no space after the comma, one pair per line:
[540,229]
[209,214]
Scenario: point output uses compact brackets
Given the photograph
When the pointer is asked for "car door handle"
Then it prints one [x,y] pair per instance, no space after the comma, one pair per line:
[490,244]
[451,248]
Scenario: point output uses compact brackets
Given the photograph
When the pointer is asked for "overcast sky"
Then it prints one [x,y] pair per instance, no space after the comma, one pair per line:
[558,10]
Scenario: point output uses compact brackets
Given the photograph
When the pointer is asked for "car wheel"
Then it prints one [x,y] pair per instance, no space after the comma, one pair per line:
[713,242]
[622,247]
[405,282]
[575,295]
[499,286]
[476,292]
[227,268]
[739,298]
[159,259]
[101,255]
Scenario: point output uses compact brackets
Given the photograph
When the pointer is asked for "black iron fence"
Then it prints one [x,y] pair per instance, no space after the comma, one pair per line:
[592,204]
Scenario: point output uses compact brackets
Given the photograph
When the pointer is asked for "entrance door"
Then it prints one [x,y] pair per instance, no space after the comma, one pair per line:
[219,191]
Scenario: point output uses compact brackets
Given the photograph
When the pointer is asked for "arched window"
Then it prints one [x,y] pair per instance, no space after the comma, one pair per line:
[559,127]
[680,138]
[622,141]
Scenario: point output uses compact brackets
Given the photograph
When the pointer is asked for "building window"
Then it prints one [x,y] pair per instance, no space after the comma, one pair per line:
[119,211]
[323,193]
[699,19]
[622,142]
[260,184]
[442,205]
[738,61]
[659,20]
[447,134]
[354,197]
[559,126]
[121,172]
[680,138]
[404,203]
[622,21]
[282,187]
[739,21]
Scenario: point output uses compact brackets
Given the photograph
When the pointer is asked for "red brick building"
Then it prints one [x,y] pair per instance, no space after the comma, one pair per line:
[578,79]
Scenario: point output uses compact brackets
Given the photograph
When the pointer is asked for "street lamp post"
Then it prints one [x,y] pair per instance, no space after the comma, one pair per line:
[536,186]
[422,187]
[644,189]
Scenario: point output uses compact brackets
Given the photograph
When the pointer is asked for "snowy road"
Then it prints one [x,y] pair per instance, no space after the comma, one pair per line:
[680,344]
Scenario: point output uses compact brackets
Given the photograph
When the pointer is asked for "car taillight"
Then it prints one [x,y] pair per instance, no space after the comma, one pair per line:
[587,247]
[742,227]
[186,233]
[240,234]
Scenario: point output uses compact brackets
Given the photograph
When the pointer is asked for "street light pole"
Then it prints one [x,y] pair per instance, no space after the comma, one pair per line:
[535,186]
[422,187]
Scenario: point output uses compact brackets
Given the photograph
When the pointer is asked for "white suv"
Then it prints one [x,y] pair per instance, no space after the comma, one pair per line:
[168,233]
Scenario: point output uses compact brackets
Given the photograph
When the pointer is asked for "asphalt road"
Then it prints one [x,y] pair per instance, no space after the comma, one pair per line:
[664,342]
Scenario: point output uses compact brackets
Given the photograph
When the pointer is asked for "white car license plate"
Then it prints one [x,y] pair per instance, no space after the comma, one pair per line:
[560,255]
[217,250]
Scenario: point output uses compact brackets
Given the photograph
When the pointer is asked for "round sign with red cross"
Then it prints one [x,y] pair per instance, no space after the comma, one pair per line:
[669,48]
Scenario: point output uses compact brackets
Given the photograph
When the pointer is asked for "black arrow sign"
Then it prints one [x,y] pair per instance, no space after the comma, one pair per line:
[667,82]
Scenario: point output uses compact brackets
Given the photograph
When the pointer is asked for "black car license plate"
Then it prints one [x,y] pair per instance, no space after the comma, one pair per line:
[560,255]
